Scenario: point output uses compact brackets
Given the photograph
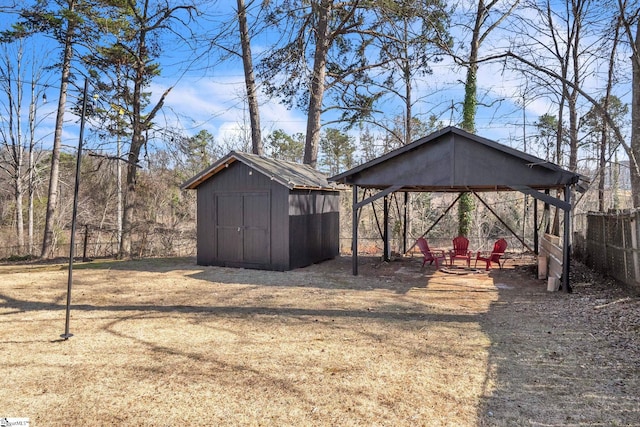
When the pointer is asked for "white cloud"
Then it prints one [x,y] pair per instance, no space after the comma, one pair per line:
[218,105]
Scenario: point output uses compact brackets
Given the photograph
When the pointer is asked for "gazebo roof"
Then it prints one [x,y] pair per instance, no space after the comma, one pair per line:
[454,160]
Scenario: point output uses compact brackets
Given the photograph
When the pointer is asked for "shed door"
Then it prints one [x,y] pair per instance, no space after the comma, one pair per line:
[243,228]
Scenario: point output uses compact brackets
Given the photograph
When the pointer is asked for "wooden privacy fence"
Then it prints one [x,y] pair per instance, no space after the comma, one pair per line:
[610,245]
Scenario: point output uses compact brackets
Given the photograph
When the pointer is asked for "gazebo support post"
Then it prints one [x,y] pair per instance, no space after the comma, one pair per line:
[405,222]
[354,232]
[385,244]
[536,237]
[566,244]
[547,214]
[358,205]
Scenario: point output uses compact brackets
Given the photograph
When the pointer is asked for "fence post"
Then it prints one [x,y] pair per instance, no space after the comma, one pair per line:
[86,240]
[605,223]
[621,221]
[634,244]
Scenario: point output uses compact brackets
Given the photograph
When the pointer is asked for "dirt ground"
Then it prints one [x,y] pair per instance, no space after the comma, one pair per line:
[166,342]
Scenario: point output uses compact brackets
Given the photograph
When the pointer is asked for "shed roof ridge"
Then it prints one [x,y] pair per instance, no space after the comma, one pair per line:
[289,174]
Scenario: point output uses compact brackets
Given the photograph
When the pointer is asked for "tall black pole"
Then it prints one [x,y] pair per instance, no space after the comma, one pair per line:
[66,334]
[536,237]
[405,222]
[566,244]
[354,232]
[385,245]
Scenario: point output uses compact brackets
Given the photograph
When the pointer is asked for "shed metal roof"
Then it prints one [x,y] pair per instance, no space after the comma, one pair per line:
[455,160]
[290,174]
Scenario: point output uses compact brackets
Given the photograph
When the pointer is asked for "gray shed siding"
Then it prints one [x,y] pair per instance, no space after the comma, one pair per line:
[242,220]
[246,219]
[314,224]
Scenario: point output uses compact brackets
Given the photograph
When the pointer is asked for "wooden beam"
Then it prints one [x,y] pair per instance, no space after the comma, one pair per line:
[542,196]
[376,196]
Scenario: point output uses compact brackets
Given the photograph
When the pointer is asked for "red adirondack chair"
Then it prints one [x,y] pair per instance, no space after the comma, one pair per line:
[428,254]
[460,250]
[494,256]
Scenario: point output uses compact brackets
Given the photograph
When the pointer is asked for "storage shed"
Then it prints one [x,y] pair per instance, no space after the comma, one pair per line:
[257,212]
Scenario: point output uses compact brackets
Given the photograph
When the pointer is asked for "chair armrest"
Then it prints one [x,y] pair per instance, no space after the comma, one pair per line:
[488,254]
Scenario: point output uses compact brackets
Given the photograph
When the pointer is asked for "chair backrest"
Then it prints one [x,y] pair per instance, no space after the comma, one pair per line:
[460,245]
[423,245]
[498,249]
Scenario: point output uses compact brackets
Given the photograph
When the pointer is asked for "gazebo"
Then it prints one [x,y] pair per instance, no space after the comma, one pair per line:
[453,160]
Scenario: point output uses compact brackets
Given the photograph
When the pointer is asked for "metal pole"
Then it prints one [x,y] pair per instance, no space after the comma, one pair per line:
[66,334]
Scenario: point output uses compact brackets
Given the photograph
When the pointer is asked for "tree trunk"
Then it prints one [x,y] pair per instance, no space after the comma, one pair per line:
[249,79]
[31,165]
[13,143]
[52,201]
[130,195]
[604,141]
[602,164]
[406,73]
[137,141]
[140,124]
[316,94]
[577,11]
[31,192]
[19,199]
[635,118]
[466,203]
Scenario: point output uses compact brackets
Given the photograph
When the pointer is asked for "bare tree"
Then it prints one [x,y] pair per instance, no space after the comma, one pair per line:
[629,14]
[411,36]
[630,19]
[68,36]
[249,79]
[147,19]
[325,44]
[12,82]
[68,23]
[487,18]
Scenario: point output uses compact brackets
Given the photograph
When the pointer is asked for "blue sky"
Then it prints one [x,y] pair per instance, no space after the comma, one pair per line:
[213,100]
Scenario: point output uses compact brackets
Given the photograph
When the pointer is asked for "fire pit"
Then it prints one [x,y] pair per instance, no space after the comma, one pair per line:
[459,270]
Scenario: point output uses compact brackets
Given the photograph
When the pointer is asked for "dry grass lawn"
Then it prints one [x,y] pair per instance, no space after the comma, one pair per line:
[165,342]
